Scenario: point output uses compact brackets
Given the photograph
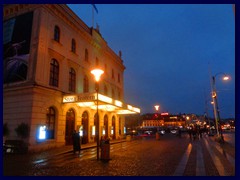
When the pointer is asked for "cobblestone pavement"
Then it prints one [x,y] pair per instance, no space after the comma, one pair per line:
[168,156]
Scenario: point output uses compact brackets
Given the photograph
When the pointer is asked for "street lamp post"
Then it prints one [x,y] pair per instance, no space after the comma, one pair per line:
[97,74]
[215,102]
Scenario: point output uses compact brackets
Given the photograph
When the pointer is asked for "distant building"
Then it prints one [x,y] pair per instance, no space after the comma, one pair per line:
[157,120]
[48,55]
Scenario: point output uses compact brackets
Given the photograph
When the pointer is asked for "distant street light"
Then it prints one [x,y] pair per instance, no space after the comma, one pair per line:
[215,102]
[156,107]
[97,74]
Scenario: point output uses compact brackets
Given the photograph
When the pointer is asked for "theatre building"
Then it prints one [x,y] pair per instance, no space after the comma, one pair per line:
[48,54]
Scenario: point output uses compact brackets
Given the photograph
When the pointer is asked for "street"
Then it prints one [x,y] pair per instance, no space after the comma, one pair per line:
[169,156]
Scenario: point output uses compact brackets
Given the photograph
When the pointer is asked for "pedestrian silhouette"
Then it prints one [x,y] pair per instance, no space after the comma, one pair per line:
[76,142]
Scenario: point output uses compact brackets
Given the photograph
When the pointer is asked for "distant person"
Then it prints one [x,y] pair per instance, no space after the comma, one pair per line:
[190,132]
[76,142]
[179,132]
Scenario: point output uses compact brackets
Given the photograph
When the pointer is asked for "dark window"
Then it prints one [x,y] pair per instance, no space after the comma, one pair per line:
[73,48]
[119,79]
[97,62]
[85,84]
[54,73]
[57,34]
[86,55]
[72,80]
[113,94]
[112,73]
[105,90]
[50,123]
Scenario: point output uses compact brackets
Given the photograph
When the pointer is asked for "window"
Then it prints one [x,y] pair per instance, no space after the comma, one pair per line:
[73,48]
[86,55]
[57,34]
[113,94]
[119,78]
[105,90]
[54,73]
[50,123]
[119,95]
[106,69]
[112,73]
[85,84]
[97,62]
[72,80]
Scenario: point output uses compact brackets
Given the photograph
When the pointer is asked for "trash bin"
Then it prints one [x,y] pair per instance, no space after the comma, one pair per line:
[105,150]
[128,138]
[157,135]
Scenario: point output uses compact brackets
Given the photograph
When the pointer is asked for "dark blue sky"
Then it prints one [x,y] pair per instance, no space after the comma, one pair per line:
[169,51]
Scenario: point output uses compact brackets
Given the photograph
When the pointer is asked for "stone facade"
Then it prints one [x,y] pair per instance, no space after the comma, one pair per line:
[78,47]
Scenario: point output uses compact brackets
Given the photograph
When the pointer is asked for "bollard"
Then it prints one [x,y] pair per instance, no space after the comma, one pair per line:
[105,150]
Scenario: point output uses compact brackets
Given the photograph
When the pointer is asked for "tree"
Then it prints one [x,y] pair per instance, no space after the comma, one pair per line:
[6,131]
[23,130]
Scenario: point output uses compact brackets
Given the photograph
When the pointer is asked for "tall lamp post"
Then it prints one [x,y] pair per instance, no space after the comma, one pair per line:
[215,102]
[97,74]
[157,108]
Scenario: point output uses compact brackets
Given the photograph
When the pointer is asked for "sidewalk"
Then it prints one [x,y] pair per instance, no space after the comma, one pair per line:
[69,148]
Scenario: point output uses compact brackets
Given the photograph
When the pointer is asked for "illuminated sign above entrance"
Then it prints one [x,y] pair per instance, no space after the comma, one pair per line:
[79,98]
[105,103]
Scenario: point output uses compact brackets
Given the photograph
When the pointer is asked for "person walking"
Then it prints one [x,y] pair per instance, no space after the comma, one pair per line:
[76,142]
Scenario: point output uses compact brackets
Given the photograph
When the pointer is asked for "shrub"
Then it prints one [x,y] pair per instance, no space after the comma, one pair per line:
[23,130]
[6,131]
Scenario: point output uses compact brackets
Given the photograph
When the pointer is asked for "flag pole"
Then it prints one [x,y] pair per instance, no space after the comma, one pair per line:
[92,17]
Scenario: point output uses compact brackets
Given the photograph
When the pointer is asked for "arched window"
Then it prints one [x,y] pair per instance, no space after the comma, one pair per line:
[86,55]
[73,48]
[97,61]
[72,80]
[113,93]
[105,90]
[85,84]
[119,95]
[57,33]
[119,79]
[113,74]
[54,73]
[50,123]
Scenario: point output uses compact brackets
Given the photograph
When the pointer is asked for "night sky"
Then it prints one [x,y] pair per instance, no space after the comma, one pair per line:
[171,51]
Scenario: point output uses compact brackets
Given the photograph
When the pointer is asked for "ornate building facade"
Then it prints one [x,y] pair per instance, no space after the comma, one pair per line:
[48,55]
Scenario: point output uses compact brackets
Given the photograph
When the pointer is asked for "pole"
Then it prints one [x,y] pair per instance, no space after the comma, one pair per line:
[98,124]
[214,96]
[92,17]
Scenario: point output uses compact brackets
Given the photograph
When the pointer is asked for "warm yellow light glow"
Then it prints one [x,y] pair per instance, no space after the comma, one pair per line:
[105,98]
[156,107]
[225,78]
[107,107]
[93,130]
[136,110]
[97,73]
[86,104]
[129,107]
[118,103]
[125,112]
[69,99]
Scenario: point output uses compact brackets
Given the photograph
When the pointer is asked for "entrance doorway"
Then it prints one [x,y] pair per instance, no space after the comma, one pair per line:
[106,126]
[85,127]
[70,124]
